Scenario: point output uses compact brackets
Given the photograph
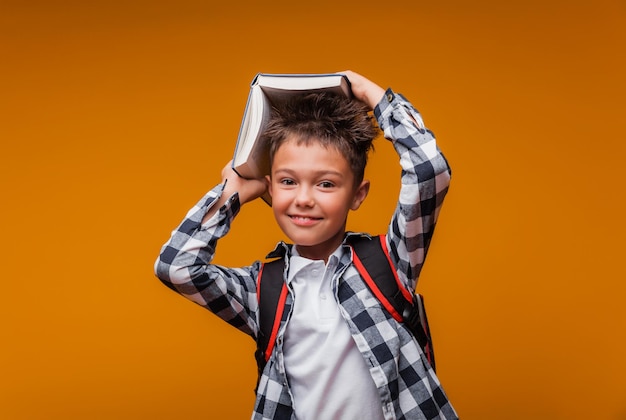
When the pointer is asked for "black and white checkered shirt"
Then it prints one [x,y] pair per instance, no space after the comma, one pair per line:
[407,384]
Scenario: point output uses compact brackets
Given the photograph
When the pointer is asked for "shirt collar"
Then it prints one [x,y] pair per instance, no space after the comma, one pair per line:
[283,249]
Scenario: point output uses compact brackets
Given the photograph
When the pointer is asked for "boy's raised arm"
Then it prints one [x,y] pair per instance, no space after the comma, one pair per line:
[424,180]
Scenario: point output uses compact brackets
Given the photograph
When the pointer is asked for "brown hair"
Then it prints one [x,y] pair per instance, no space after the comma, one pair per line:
[329,119]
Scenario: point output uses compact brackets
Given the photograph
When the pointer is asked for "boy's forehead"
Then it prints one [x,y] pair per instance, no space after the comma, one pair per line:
[308,144]
[312,149]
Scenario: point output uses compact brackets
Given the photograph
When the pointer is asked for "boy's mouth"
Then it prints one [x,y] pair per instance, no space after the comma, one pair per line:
[304,220]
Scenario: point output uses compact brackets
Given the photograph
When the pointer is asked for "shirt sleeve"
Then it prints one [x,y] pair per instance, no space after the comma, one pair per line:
[425,179]
[184,265]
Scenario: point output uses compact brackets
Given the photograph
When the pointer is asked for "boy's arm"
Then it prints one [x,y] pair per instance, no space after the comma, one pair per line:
[184,263]
[424,182]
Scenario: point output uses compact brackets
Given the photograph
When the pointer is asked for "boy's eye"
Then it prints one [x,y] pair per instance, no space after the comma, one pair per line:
[287,181]
[326,184]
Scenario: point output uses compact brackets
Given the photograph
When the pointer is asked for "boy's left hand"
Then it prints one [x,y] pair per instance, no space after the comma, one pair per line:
[364,89]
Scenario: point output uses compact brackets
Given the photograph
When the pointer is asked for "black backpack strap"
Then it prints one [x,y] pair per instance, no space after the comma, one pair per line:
[372,260]
[419,311]
[271,295]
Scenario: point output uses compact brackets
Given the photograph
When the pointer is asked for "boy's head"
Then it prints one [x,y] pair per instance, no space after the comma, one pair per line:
[318,149]
[328,119]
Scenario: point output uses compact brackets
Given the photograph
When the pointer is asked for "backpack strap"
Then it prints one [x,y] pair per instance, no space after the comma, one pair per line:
[371,258]
[271,295]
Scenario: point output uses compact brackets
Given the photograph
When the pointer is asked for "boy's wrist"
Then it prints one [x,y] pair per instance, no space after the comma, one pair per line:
[374,95]
[383,105]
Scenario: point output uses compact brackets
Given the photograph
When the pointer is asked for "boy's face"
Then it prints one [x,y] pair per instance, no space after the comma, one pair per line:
[313,190]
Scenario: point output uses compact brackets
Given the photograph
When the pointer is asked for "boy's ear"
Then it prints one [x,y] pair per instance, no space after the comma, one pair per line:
[360,194]
[268,179]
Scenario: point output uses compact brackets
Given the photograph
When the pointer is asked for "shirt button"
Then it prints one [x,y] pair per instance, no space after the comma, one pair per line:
[323,296]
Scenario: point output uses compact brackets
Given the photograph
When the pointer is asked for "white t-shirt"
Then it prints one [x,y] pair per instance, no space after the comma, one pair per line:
[327,374]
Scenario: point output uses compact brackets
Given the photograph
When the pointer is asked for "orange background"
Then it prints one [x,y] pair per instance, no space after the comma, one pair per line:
[117,116]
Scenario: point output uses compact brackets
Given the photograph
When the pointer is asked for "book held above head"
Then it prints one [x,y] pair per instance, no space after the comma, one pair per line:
[251,156]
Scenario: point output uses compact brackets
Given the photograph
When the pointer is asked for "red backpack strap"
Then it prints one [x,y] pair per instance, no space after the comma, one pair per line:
[271,295]
[371,258]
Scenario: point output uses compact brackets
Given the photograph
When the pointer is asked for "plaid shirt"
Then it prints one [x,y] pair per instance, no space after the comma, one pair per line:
[407,384]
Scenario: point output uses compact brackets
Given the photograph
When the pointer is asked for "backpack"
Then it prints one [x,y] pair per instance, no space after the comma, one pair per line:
[371,259]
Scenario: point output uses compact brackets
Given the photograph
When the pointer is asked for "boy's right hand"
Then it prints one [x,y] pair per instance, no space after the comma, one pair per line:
[248,189]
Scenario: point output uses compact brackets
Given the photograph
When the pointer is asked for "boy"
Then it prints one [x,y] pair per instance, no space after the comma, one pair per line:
[338,354]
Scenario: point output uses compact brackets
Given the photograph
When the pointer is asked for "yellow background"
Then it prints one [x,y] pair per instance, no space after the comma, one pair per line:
[117,116]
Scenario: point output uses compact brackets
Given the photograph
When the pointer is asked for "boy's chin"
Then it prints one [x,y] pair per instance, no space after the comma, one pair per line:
[317,245]
[303,242]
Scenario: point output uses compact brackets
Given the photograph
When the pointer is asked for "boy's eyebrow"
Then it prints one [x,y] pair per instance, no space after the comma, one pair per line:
[318,173]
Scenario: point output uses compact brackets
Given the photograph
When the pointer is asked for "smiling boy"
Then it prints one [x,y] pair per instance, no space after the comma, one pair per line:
[338,353]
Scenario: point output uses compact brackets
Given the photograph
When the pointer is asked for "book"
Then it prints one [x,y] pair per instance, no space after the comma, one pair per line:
[251,156]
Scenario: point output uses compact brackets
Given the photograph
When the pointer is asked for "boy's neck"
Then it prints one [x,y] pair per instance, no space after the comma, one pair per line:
[320,251]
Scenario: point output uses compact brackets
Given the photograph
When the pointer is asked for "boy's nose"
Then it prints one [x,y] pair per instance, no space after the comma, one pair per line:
[304,197]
